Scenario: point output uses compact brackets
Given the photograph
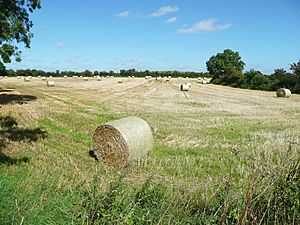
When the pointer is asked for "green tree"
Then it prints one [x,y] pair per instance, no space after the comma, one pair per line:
[15,28]
[225,68]
[295,67]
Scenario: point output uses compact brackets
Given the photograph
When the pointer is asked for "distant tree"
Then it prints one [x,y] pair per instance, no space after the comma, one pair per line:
[87,73]
[254,79]
[280,78]
[96,73]
[225,67]
[295,67]
[15,28]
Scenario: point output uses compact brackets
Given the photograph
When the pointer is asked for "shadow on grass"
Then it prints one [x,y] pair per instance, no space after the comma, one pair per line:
[9,131]
[5,90]
[17,99]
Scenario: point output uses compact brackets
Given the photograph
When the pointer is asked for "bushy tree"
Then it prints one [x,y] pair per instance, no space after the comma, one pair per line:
[280,78]
[254,79]
[15,28]
[225,68]
[295,67]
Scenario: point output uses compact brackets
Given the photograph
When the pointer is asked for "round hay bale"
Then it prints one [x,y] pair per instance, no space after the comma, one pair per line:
[50,83]
[189,84]
[44,78]
[65,77]
[283,92]
[120,81]
[85,78]
[26,79]
[119,142]
[98,78]
[184,87]
[204,82]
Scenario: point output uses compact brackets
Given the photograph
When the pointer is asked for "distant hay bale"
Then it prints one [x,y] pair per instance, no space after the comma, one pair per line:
[184,87]
[65,77]
[44,78]
[85,78]
[50,83]
[283,92]
[98,78]
[119,142]
[19,77]
[26,79]
[204,82]
[168,79]
[120,81]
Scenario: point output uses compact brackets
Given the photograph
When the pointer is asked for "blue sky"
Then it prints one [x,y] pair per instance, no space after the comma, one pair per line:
[162,35]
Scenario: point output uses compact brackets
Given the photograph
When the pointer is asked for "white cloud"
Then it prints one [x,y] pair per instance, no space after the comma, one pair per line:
[164,11]
[207,25]
[171,20]
[124,14]
[60,45]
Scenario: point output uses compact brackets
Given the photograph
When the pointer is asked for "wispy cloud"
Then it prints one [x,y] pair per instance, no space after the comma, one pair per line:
[124,14]
[60,45]
[207,25]
[164,11]
[171,20]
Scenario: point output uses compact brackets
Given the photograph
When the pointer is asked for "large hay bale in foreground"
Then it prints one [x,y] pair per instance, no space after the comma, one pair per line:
[189,84]
[184,87]
[50,83]
[118,142]
[283,92]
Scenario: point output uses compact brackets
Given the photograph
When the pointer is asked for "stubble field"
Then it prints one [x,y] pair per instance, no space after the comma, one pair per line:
[218,152]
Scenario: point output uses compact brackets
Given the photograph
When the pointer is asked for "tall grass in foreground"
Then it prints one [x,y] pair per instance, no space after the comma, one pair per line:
[267,200]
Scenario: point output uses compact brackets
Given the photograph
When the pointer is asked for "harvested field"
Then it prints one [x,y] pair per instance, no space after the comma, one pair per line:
[203,139]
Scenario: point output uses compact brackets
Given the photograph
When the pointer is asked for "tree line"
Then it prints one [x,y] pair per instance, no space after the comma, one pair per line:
[88,73]
[226,68]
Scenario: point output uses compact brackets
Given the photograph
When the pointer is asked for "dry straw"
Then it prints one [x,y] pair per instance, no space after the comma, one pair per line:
[283,92]
[119,142]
